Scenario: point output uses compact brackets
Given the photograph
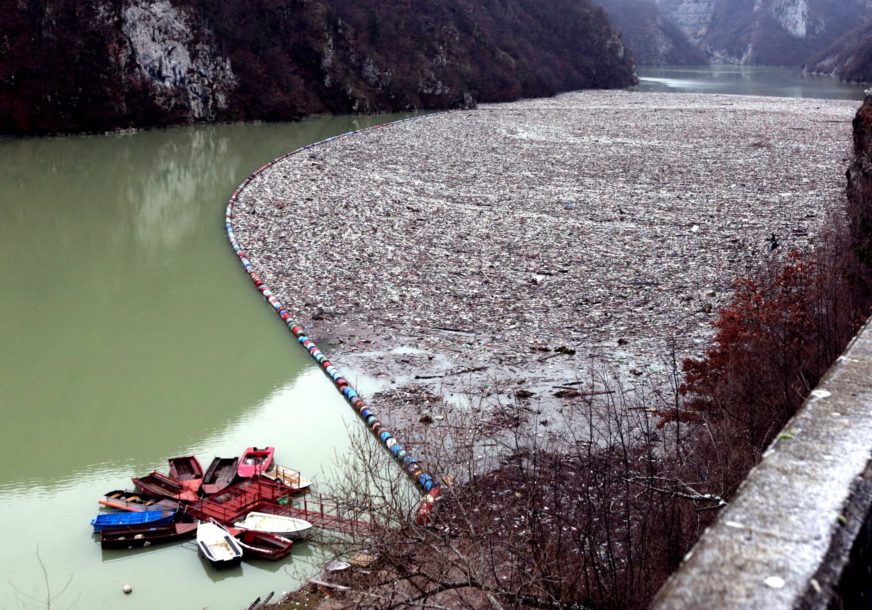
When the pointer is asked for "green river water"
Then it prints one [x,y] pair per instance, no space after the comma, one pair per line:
[130,333]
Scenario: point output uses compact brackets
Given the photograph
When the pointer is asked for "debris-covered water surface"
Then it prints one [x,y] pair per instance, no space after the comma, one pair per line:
[495,253]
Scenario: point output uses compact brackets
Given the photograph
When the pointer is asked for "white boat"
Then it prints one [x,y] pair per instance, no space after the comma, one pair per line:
[217,545]
[288,476]
[289,527]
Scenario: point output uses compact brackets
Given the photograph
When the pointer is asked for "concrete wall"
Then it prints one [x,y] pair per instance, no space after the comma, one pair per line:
[799,532]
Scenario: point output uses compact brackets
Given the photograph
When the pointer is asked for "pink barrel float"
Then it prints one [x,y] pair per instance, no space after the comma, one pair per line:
[419,475]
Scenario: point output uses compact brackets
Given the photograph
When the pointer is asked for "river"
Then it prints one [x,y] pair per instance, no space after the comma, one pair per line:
[745,80]
[131,334]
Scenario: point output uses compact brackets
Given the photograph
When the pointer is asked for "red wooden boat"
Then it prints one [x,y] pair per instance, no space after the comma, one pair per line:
[136,537]
[136,502]
[220,475]
[264,545]
[255,461]
[187,471]
[162,486]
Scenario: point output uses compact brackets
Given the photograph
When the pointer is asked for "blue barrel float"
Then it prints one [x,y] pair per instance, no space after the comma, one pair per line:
[425,482]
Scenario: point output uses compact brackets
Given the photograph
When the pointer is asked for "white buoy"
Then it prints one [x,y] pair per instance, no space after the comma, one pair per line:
[127,589]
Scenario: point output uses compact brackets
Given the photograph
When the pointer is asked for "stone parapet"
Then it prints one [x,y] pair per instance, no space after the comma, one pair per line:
[797,534]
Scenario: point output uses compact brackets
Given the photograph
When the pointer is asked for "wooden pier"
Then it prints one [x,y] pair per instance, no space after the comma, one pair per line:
[325,512]
[238,500]
[269,496]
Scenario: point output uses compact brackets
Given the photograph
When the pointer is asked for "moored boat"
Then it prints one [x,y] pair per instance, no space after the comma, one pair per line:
[219,475]
[264,545]
[289,527]
[255,461]
[287,476]
[135,501]
[217,545]
[159,484]
[150,517]
[187,471]
[143,536]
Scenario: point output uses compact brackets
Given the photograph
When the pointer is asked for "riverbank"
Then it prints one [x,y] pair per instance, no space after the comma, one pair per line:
[495,257]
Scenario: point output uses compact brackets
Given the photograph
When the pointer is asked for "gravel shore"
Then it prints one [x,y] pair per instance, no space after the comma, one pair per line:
[490,256]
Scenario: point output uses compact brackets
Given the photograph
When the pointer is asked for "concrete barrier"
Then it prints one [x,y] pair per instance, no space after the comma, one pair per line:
[798,534]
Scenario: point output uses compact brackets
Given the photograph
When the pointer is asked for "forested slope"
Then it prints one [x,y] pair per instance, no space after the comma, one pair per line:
[74,66]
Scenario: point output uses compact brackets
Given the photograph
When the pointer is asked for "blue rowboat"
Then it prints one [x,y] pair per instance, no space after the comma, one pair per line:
[150,517]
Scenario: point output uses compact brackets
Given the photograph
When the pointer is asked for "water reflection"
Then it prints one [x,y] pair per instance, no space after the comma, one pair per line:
[744,80]
[128,330]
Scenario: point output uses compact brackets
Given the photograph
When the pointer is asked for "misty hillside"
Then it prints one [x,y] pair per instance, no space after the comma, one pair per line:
[849,58]
[72,66]
[765,32]
[651,36]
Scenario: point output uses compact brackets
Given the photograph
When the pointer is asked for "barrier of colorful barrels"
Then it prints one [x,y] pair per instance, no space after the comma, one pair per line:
[410,465]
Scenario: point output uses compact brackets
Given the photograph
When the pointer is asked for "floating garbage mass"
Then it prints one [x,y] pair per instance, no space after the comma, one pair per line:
[416,472]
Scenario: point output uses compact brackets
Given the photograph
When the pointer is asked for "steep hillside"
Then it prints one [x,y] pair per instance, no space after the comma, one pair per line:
[765,32]
[90,66]
[692,16]
[651,36]
[849,58]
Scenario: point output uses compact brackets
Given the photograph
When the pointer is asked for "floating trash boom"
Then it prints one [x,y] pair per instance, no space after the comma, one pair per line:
[412,467]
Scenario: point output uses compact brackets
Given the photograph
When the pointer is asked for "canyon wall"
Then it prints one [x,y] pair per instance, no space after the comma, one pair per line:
[68,66]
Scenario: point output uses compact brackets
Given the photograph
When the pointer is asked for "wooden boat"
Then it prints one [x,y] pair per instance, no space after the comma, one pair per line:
[219,475]
[255,461]
[264,545]
[162,486]
[217,545]
[135,502]
[150,517]
[187,471]
[287,476]
[289,527]
[142,536]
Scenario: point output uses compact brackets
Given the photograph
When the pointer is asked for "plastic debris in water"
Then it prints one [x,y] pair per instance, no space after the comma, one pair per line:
[775,582]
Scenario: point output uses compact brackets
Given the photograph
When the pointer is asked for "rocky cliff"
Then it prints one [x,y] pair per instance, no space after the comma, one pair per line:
[91,66]
[765,32]
[859,188]
[651,36]
[849,58]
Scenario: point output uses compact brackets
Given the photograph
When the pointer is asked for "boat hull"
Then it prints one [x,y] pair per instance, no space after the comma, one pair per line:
[144,536]
[162,486]
[287,476]
[288,527]
[128,519]
[255,461]
[218,546]
[136,502]
[264,545]
[187,471]
[220,475]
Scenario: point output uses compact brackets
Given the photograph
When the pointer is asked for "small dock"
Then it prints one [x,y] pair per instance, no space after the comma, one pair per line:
[239,499]
[325,512]
[268,496]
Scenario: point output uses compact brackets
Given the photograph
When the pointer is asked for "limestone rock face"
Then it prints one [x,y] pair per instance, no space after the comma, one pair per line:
[849,58]
[176,54]
[91,66]
[650,35]
[859,188]
[692,16]
[765,32]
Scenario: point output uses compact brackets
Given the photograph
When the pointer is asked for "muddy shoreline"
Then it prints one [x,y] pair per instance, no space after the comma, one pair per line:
[494,257]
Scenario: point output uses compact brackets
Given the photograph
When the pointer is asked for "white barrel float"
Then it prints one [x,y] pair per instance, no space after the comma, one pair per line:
[422,478]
